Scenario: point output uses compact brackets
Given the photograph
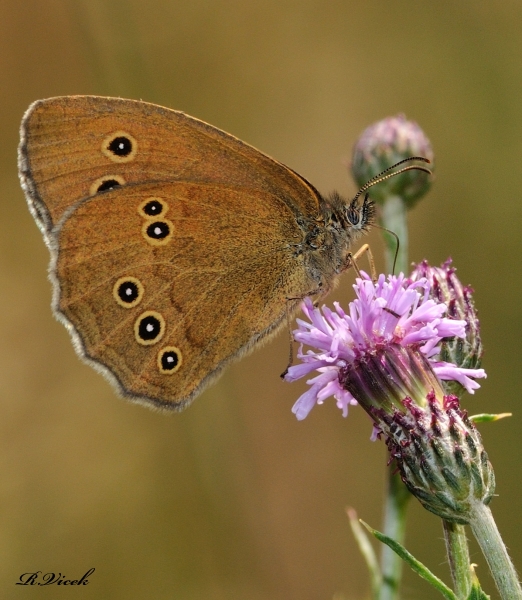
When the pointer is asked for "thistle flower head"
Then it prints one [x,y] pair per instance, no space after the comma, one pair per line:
[393,314]
[385,353]
[384,144]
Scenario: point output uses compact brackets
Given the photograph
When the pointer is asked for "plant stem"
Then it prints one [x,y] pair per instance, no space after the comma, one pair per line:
[485,530]
[394,217]
[458,557]
[394,527]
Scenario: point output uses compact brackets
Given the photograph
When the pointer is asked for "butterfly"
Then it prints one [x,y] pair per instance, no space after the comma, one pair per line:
[175,247]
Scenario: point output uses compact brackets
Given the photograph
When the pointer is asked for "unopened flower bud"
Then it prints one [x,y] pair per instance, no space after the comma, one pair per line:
[440,456]
[384,144]
[446,287]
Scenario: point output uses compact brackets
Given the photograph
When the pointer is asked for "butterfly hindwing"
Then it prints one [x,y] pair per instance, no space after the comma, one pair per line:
[209,270]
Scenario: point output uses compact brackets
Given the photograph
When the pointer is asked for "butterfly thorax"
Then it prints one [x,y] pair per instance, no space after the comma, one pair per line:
[328,241]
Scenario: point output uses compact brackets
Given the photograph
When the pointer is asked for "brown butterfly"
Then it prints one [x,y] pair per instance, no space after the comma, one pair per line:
[175,247]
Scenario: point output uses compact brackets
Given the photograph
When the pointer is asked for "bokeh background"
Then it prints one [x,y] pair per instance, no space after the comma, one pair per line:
[233,498]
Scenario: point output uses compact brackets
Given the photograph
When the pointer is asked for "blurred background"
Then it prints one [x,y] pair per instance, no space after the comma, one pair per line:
[234,498]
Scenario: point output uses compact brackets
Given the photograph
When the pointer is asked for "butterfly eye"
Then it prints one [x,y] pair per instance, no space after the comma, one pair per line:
[157,233]
[120,147]
[103,184]
[169,360]
[128,291]
[149,328]
[152,207]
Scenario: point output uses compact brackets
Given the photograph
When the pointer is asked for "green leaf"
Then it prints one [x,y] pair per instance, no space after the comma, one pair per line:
[487,418]
[477,594]
[476,591]
[367,551]
[416,565]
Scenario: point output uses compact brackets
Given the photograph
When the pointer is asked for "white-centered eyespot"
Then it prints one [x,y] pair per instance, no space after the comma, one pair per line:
[120,147]
[169,360]
[149,328]
[128,291]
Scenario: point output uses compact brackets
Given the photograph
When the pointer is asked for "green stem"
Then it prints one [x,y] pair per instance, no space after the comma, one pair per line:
[458,557]
[395,528]
[485,530]
[394,217]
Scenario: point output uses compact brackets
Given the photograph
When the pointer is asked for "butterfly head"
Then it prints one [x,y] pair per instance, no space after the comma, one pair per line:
[354,216]
[360,215]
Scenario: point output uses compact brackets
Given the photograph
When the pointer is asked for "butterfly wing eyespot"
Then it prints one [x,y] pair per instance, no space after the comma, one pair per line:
[158,233]
[105,183]
[120,147]
[128,291]
[170,360]
[149,328]
[153,207]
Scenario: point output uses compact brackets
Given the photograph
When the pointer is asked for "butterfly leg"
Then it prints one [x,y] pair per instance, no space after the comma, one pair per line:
[351,261]
[289,308]
[290,340]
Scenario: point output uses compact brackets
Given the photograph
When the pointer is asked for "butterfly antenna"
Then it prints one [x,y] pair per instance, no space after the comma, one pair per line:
[382,176]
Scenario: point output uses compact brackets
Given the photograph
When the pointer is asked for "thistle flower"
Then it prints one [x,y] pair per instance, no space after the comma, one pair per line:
[386,143]
[392,314]
[384,354]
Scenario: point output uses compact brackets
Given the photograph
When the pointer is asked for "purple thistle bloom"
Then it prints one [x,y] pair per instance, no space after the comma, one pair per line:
[389,353]
[394,313]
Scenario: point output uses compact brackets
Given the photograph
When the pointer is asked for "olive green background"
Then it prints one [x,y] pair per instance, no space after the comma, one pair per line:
[234,498]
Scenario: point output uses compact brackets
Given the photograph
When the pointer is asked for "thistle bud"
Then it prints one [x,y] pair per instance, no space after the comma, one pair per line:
[384,144]
[446,288]
[440,456]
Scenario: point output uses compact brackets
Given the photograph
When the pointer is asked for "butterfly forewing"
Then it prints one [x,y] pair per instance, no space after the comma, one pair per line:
[65,151]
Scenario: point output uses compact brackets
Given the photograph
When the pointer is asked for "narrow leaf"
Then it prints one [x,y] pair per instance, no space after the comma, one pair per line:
[488,418]
[416,565]
[367,551]
[476,591]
